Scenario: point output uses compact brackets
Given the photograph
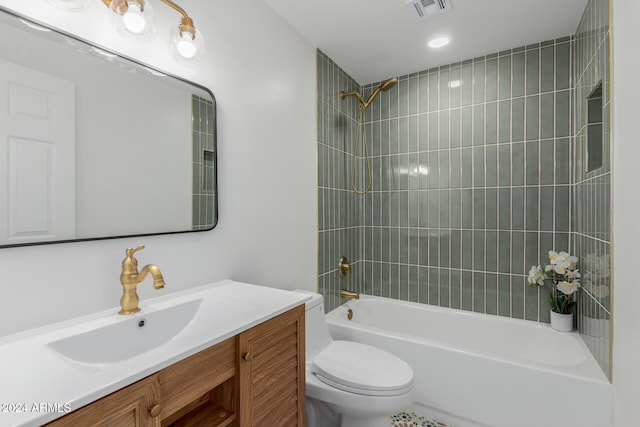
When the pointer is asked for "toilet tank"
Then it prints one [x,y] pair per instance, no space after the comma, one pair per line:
[316,331]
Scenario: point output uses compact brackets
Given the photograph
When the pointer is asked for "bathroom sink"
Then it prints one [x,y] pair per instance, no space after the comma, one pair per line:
[141,333]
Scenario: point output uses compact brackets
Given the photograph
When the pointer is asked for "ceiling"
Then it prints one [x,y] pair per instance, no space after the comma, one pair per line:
[373,40]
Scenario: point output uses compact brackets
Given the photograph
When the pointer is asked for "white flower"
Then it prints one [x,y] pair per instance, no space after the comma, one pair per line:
[568,288]
[536,276]
[553,256]
[560,268]
[573,274]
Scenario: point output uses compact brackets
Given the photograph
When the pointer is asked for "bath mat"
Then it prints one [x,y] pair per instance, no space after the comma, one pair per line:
[410,419]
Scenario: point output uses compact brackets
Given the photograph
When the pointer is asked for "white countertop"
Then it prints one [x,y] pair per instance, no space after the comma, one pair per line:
[37,385]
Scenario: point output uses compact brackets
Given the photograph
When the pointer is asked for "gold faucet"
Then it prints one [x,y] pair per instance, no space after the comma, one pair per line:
[130,279]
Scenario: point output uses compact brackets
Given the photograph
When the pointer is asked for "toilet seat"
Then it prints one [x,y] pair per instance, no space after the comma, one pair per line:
[362,369]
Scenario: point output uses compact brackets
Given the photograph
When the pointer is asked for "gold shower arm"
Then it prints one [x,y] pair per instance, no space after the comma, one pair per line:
[363,104]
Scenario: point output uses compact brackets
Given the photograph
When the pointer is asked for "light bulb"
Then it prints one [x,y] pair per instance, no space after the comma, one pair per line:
[187,43]
[186,48]
[133,19]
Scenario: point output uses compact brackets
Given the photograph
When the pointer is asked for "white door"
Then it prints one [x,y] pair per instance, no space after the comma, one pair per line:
[37,156]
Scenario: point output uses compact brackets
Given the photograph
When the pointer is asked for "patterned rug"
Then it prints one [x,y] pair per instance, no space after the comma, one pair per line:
[410,419]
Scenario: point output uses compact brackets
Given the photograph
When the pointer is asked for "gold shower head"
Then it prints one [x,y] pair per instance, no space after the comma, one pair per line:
[389,84]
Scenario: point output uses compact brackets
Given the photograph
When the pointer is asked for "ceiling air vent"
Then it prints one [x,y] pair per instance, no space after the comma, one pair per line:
[423,9]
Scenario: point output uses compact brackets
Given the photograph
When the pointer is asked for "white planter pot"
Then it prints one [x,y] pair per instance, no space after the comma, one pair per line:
[562,322]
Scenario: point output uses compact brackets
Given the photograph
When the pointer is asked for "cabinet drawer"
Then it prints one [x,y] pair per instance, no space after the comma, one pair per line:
[128,407]
[186,381]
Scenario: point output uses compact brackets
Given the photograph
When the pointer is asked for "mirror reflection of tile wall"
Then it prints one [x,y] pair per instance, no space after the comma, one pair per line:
[592,189]
[203,163]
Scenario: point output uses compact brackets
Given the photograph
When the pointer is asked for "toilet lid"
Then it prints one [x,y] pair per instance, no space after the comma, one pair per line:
[363,369]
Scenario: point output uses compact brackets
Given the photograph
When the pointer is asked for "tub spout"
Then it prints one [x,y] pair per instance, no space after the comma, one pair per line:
[349,295]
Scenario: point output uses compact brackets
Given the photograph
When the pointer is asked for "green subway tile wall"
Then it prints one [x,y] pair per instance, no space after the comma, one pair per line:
[475,178]
[591,237]
[338,207]
[471,183]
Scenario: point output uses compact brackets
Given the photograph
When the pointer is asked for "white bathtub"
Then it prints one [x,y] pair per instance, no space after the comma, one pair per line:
[483,370]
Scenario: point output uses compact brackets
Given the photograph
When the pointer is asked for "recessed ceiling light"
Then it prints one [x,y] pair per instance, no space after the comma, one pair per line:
[454,84]
[439,42]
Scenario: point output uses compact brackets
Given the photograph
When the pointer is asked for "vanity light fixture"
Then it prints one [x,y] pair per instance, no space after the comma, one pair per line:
[133,19]
[438,42]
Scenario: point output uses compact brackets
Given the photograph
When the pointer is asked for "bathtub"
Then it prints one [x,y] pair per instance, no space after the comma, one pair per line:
[480,370]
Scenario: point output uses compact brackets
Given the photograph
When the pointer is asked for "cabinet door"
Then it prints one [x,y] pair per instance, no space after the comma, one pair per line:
[129,407]
[272,372]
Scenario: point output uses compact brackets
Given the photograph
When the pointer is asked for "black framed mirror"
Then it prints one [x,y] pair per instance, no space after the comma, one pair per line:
[95,146]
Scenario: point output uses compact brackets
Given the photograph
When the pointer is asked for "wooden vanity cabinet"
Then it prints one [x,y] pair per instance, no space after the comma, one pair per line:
[192,389]
[127,407]
[272,372]
[253,379]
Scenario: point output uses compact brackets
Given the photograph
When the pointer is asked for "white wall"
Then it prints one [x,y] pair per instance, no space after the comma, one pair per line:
[263,76]
[626,205]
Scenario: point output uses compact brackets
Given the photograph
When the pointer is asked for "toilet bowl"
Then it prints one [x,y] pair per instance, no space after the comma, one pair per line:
[350,384]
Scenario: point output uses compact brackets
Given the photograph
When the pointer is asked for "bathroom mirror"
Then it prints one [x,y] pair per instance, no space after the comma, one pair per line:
[95,146]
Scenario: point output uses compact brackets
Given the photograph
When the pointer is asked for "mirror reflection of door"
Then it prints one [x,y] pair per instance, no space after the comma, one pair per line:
[37,156]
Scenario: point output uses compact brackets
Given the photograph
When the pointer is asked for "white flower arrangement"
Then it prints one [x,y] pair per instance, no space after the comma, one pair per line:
[564,277]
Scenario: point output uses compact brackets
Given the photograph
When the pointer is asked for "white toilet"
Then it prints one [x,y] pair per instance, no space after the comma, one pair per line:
[350,384]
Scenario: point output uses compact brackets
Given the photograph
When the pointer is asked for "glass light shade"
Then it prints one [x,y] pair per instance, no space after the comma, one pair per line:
[133,19]
[186,48]
[71,5]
